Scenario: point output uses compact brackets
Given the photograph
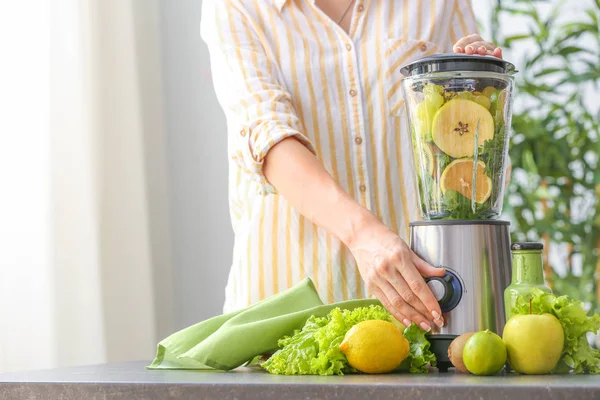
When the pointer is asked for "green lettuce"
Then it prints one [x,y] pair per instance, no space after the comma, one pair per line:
[314,349]
[420,356]
[578,356]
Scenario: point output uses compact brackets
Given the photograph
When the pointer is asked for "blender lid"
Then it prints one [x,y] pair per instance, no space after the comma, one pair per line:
[451,62]
[527,246]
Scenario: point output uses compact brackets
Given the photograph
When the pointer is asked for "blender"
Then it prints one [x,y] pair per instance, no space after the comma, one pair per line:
[459,115]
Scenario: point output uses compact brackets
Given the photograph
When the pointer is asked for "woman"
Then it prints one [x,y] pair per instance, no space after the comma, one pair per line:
[321,184]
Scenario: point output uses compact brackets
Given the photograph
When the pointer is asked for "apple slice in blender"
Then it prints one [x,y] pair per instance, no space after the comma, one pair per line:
[454,125]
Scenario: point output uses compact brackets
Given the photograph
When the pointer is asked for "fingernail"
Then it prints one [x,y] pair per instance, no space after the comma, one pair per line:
[425,326]
[438,320]
[470,48]
[407,323]
[481,47]
[459,49]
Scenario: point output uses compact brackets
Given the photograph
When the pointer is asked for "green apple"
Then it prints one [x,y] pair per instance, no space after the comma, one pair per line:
[534,343]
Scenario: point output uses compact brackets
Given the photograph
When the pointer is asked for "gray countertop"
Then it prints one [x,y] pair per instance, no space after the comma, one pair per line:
[131,381]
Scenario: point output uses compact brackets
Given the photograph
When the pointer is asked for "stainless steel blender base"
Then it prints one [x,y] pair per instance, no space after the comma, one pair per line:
[477,258]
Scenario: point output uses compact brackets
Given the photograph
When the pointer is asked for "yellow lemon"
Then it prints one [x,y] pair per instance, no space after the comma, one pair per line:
[375,347]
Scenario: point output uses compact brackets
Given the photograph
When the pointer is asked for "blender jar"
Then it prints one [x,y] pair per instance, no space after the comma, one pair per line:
[459,115]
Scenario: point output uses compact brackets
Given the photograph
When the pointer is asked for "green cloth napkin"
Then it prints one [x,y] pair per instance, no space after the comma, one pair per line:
[230,340]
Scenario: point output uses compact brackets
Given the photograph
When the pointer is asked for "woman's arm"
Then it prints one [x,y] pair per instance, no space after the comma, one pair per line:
[390,269]
[268,143]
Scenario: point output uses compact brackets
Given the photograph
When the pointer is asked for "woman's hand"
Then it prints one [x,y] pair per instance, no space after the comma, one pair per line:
[474,44]
[390,269]
[394,274]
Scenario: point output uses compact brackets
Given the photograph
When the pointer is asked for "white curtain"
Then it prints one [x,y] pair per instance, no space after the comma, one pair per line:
[97,285]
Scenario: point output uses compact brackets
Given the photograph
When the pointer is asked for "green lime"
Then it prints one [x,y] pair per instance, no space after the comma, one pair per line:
[484,353]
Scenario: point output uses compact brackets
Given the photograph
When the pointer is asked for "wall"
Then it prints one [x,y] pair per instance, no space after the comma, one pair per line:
[201,232]
[25,194]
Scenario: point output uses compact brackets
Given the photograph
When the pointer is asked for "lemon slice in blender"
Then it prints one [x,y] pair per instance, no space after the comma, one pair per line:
[458,176]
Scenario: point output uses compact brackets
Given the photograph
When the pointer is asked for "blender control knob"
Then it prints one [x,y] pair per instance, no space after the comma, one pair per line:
[441,288]
[447,290]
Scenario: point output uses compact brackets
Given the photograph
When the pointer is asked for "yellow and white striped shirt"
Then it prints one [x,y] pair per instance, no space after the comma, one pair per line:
[282,68]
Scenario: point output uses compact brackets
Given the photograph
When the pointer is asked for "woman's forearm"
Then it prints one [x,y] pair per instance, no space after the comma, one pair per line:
[391,271]
[305,183]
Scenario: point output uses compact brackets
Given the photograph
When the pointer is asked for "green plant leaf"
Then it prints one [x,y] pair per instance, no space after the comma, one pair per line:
[565,51]
[548,71]
[554,125]
[511,39]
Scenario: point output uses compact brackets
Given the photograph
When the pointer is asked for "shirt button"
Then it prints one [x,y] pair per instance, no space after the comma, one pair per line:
[352,92]
[348,47]
[423,47]
[362,188]
[361,8]
[243,132]
[358,140]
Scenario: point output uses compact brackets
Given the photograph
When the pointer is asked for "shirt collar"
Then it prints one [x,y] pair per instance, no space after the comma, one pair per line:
[281,3]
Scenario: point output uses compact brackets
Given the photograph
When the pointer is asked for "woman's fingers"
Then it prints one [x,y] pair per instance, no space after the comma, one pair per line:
[425,268]
[479,47]
[474,44]
[402,288]
[388,305]
[397,303]
[460,46]
[386,265]
[417,284]
[428,270]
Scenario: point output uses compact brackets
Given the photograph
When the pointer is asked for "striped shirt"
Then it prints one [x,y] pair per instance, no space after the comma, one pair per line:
[282,68]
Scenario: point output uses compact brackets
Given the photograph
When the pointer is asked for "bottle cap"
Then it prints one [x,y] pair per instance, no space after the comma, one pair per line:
[527,246]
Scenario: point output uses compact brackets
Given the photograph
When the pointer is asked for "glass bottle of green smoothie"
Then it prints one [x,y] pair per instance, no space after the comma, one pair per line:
[527,273]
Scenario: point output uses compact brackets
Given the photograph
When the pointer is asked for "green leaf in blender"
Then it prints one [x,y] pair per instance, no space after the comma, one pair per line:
[578,356]
[460,207]
[443,160]
[493,154]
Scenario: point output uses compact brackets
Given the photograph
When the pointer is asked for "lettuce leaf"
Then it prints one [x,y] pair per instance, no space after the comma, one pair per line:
[314,349]
[420,356]
[578,356]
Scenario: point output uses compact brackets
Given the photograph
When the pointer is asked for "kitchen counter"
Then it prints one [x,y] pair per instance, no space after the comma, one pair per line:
[131,381]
